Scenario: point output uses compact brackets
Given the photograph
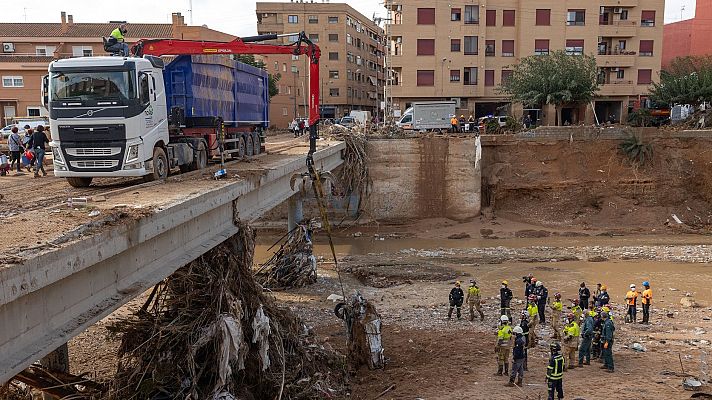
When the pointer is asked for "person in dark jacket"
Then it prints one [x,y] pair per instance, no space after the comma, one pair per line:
[518,357]
[528,285]
[596,342]
[456,298]
[37,143]
[524,324]
[505,298]
[584,295]
[603,298]
[586,339]
[607,342]
[542,293]
[555,372]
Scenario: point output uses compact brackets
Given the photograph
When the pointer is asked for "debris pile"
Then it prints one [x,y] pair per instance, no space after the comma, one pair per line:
[363,325]
[209,332]
[354,175]
[293,265]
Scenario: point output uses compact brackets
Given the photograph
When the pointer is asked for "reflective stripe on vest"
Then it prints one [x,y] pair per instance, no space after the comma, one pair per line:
[556,372]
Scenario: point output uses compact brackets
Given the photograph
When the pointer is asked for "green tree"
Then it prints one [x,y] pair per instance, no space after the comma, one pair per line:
[688,80]
[273,79]
[557,79]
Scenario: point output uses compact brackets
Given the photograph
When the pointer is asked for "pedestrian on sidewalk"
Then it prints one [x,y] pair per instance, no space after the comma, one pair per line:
[542,295]
[474,300]
[504,343]
[571,340]
[647,300]
[533,312]
[456,297]
[505,298]
[631,298]
[14,144]
[607,339]
[518,357]
[586,338]
[37,144]
[555,372]
[584,296]
[556,309]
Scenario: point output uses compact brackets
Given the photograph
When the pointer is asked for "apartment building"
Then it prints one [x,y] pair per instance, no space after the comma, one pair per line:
[463,49]
[28,48]
[351,74]
[689,37]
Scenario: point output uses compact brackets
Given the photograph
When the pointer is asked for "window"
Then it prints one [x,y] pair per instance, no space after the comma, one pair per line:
[470,45]
[620,74]
[624,15]
[334,92]
[470,75]
[574,47]
[647,18]
[349,39]
[541,47]
[576,18]
[489,77]
[426,16]
[295,70]
[333,56]
[491,17]
[490,48]
[333,20]
[13,81]
[621,44]
[506,74]
[426,47]
[82,51]
[507,48]
[293,19]
[646,48]
[45,50]
[645,76]
[333,37]
[313,19]
[455,45]
[144,93]
[508,17]
[284,67]
[284,111]
[543,17]
[426,78]
[314,37]
[334,74]
[455,14]
[472,14]
[276,66]
[454,75]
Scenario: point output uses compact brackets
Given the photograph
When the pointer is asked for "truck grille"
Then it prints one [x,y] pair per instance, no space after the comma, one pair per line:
[95,164]
[105,151]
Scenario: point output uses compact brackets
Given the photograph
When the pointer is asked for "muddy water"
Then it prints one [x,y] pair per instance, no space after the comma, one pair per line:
[670,280]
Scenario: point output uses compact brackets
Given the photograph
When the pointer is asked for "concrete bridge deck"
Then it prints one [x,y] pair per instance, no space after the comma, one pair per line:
[51,292]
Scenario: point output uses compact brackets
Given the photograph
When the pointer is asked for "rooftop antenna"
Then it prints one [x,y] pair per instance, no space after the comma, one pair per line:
[190,10]
[681,10]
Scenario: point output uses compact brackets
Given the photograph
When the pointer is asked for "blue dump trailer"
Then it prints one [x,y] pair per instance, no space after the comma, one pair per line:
[211,95]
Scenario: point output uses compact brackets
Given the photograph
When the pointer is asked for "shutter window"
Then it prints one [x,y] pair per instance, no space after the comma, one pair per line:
[508,17]
[426,78]
[489,77]
[543,17]
[426,16]
[491,17]
[426,47]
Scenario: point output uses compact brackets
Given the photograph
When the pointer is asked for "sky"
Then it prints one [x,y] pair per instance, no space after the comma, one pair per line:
[236,17]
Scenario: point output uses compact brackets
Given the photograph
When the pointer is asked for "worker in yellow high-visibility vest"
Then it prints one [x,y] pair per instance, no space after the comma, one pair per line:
[116,42]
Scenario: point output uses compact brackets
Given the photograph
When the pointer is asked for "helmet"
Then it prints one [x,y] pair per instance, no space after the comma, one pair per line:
[605,309]
[646,283]
[472,282]
[462,116]
[532,297]
[604,287]
[525,314]
[570,316]
[530,276]
[555,347]
[604,314]
[538,283]
[518,330]
[557,296]
[575,302]
[533,280]
[457,283]
[632,285]
[504,318]
[592,313]
[504,282]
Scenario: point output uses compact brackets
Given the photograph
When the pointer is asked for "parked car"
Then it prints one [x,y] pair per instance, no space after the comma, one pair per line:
[482,121]
[348,122]
[21,123]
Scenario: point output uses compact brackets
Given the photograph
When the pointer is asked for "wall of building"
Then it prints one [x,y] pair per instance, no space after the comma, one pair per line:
[690,37]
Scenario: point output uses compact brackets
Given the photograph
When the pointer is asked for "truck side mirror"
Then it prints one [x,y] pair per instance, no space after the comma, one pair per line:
[45,91]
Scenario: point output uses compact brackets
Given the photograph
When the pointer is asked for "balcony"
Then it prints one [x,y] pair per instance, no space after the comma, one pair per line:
[618,29]
[270,27]
[618,3]
[617,88]
[616,60]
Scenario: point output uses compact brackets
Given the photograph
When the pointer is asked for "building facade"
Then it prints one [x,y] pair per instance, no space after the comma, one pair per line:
[690,37]
[351,74]
[463,49]
[29,48]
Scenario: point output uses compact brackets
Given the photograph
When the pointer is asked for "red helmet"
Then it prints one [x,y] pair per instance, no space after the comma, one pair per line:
[533,280]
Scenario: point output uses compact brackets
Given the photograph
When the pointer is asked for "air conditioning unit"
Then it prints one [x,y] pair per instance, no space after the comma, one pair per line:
[457,101]
[617,10]
[8,47]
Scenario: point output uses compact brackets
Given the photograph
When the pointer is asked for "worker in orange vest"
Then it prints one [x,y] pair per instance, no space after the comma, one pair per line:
[631,298]
[647,300]
[453,124]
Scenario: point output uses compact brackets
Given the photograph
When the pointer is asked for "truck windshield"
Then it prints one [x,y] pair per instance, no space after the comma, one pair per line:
[116,85]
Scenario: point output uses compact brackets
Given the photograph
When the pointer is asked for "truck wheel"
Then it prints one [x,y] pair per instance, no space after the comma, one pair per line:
[79,182]
[256,145]
[249,145]
[160,166]
[241,147]
[200,159]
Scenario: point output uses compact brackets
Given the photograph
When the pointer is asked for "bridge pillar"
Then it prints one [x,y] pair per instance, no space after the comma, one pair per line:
[57,360]
[295,214]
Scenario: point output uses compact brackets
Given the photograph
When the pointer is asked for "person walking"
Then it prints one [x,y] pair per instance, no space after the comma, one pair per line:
[26,144]
[456,297]
[647,300]
[607,342]
[556,309]
[505,298]
[37,144]
[533,312]
[571,341]
[586,338]
[518,357]
[504,343]
[474,300]
[555,372]
[14,144]
[584,296]
[631,298]
[542,294]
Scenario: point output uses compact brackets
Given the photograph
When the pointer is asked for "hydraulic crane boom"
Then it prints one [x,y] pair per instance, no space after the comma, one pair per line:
[247,45]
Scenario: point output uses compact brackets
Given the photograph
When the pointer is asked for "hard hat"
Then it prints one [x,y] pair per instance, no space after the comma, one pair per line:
[525,314]
[604,314]
[557,295]
[472,282]
[518,330]
[570,316]
[632,286]
[533,280]
[504,318]
[604,287]
[538,283]
[555,347]
[605,309]
[504,282]
[457,283]
[462,116]
[646,283]
[592,313]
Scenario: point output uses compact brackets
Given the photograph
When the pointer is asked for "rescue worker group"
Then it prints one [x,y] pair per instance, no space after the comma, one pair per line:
[587,333]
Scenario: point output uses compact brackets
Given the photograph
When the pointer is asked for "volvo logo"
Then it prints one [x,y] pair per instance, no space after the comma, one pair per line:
[90,113]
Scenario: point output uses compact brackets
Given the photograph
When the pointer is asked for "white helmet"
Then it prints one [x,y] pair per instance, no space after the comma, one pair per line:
[632,286]
[504,318]
[538,283]
[518,330]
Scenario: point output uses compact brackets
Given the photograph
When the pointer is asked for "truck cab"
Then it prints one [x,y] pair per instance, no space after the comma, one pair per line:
[107,117]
